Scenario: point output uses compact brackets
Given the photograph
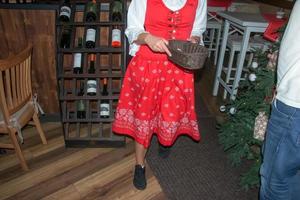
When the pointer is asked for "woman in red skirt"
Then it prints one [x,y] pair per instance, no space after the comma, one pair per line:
[157,96]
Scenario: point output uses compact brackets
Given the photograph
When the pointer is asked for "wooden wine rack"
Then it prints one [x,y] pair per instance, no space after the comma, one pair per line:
[91,131]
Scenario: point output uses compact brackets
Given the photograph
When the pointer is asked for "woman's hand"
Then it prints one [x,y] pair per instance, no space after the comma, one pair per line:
[157,44]
[194,39]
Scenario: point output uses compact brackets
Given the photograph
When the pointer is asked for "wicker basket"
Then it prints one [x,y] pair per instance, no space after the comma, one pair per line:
[188,55]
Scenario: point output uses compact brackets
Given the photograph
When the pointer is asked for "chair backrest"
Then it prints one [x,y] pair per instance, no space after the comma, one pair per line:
[15,82]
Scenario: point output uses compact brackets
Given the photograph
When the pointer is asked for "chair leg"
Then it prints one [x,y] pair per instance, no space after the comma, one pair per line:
[39,128]
[229,69]
[18,150]
[211,39]
[217,45]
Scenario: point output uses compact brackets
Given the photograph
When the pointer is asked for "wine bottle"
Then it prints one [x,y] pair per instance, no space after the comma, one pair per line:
[78,61]
[92,83]
[90,41]
[91,11]
[117,11]
[104,104]
[65,11]
[65,37]
[116,37]
[80,103]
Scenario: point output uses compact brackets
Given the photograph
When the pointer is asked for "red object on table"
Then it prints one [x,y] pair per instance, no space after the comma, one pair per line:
[271,32]
[219,3]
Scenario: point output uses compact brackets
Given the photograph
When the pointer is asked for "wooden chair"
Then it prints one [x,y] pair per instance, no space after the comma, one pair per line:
[17,106]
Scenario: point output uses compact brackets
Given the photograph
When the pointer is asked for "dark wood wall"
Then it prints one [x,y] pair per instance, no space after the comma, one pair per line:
[17,28]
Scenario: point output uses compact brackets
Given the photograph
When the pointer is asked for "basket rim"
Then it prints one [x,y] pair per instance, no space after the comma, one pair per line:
[188,60]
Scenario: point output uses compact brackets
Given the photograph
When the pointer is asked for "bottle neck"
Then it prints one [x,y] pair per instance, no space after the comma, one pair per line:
[104,91]
[79,44]
[104,88]
[92,63]
[92,67]
[81,90]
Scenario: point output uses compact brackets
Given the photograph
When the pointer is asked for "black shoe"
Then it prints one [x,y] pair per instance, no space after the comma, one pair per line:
[163,151]
[139,180]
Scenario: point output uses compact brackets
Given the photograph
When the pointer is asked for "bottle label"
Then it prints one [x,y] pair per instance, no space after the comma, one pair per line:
[66,11]
[117,7]
[116,35]
[104,109]
[77,60]
[91,7]
[91,34]
[117,11]
[91,86]
[80,105]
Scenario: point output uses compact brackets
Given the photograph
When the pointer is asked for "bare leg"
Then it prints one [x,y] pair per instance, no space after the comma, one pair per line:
[140,152]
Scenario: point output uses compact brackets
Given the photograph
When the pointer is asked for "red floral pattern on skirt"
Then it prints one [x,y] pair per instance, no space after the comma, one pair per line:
[156,97]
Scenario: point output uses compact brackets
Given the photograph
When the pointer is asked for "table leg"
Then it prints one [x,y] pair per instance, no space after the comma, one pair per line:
[221,58]
[240,63]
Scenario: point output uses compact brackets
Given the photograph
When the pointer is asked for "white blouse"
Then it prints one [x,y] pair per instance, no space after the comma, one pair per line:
[136,19]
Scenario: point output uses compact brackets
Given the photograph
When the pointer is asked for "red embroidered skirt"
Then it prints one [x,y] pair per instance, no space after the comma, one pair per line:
[156,97]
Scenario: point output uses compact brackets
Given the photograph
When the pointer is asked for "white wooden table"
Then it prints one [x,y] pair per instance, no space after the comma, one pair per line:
[245,23]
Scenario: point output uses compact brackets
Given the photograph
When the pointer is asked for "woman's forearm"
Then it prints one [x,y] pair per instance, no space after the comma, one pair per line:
[141,38]
[156,44]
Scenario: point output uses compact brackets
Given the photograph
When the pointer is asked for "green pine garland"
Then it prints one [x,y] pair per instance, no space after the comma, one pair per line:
[236,134]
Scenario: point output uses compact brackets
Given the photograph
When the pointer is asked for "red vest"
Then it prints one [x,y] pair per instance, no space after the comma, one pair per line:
[162,22]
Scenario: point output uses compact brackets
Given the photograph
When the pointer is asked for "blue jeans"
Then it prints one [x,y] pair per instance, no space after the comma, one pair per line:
[280,175]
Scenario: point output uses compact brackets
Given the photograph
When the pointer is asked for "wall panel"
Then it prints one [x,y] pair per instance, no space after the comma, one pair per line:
[18,27]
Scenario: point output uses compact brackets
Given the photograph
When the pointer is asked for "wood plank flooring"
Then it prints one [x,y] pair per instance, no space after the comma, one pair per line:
[57,173]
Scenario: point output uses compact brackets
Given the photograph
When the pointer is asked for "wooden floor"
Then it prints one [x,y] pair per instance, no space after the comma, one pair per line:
[57,173]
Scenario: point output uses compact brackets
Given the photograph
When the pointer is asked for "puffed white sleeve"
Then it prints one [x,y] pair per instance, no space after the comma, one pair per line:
[199,25]
[135,23]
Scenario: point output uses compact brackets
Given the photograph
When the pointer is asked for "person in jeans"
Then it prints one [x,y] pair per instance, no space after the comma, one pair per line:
[157,96]
[280,176]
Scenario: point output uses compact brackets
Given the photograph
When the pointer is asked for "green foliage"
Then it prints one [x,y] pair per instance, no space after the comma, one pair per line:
[250,179]
[236,134]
